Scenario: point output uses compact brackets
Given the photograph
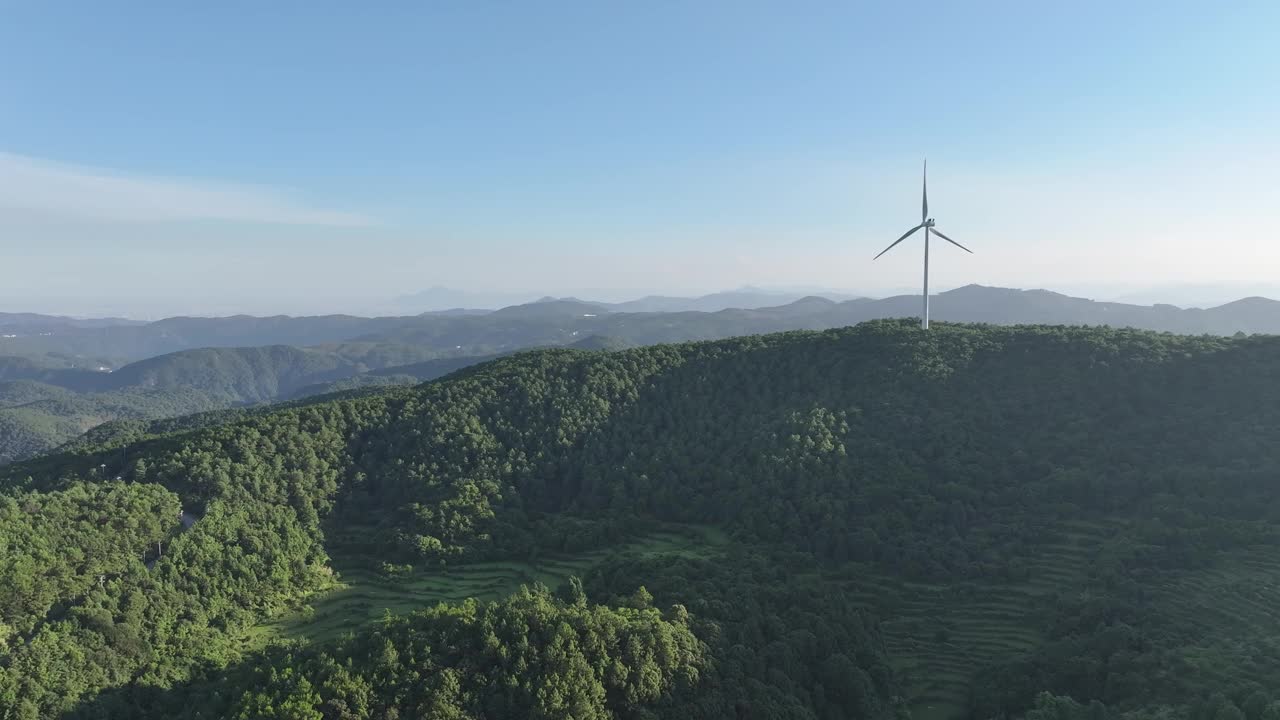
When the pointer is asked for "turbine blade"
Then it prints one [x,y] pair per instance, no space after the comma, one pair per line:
[924,204]
[905,235]
[953,242]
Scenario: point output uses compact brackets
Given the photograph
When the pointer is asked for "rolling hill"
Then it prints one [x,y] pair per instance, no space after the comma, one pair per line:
[868,522]
[42,408]
[44,405]
[37,417]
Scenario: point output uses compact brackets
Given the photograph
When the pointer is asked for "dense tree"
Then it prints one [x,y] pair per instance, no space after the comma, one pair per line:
[528,656]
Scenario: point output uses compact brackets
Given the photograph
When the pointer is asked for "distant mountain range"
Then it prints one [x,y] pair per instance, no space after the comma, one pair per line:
[445,300]
[744,299]
[644,321]
[1200,296]
[62,376]
[34,324]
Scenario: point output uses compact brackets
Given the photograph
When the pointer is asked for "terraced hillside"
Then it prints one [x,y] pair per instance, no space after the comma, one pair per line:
[1229,610]
[361,596]
[940,634]
[937,635]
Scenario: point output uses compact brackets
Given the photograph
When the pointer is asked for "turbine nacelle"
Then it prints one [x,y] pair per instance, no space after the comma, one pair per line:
[928,223]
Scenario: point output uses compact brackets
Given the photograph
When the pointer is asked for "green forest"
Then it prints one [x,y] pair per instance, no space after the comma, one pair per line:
[869,522]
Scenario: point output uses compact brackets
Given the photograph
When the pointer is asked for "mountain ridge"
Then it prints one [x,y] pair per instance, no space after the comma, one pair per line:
[482,333]
[347,353]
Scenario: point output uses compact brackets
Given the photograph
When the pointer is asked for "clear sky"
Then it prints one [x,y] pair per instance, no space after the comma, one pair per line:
[319,156]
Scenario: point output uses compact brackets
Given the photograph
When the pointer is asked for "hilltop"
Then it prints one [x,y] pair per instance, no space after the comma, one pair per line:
[120,370]
[185,365]
[860,522]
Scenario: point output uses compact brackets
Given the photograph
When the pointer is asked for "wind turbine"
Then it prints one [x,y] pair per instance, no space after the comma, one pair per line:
[926,222]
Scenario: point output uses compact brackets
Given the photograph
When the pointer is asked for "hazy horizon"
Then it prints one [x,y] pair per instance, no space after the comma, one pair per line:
[251,158]
[442,298]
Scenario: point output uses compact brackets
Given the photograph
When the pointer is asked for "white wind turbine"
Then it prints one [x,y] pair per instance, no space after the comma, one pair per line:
[926,222]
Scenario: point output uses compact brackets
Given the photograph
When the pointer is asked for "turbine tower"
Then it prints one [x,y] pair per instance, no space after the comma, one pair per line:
[926,222]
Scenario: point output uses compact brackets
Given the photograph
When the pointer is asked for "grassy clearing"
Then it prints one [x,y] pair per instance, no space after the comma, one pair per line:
[362,596]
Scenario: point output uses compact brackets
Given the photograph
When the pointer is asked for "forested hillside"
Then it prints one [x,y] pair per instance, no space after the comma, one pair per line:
[44,404]
[47,404]
[970,522]
[37,417]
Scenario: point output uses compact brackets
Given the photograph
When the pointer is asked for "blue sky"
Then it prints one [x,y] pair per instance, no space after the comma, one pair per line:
[305,157]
